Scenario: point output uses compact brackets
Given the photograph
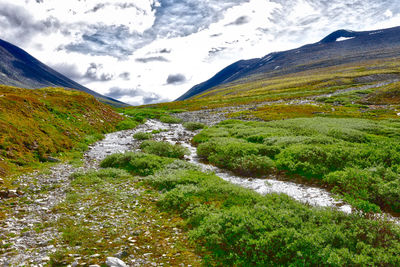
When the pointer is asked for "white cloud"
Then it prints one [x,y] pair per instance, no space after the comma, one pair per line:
[149,41]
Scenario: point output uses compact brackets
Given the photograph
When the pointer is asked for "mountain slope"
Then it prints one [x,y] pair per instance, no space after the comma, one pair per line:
[337,48]
[35,124]
[18,68]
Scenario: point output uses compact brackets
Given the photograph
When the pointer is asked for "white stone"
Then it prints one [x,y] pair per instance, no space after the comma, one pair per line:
[115,262]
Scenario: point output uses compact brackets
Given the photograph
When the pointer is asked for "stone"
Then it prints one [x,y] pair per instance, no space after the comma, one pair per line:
[115,262]
[121,254]
[12,193]
[4,193]
[94,265]
[51,159]
[1,181]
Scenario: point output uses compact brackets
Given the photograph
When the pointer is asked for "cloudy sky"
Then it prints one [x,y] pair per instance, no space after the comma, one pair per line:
[147,51]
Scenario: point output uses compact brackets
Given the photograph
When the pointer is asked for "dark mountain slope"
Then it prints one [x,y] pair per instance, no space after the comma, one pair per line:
[18,68]
[339,47]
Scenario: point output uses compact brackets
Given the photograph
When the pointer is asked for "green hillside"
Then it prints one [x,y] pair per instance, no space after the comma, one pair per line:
[366,90]
[37,124]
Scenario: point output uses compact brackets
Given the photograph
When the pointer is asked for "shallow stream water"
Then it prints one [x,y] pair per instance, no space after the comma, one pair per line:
[123,141]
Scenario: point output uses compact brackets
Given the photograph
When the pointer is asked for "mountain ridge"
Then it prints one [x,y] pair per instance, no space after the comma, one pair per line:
[18,68]
[341,46]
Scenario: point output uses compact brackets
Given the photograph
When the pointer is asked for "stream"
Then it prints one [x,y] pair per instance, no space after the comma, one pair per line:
[122,141]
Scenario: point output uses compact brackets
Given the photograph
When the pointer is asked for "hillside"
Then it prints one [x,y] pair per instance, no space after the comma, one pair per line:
[18,68]
[37,124]
[339,47]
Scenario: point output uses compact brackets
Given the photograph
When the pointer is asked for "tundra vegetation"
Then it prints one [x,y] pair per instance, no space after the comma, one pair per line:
[231,225]
[336,128]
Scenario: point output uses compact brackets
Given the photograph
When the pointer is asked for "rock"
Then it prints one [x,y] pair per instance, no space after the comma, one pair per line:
[94,265]
[1,181]
[115,262]
[121,254]
[51,159]
[4,193]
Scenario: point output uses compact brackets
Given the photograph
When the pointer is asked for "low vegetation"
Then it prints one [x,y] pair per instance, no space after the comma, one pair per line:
[350,90]
[136,163]
[141,114]
[37,124]
[107,212]
[142,136]
[359,159]
[193,126]
[235,226]
[164,149]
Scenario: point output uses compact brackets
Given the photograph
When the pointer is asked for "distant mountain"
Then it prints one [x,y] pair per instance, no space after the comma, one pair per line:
[339,47]
[18,68]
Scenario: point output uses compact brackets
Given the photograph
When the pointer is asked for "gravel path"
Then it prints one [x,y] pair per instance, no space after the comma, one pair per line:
[27,233]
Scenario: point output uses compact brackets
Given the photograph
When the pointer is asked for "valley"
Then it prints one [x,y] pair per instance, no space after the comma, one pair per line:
[258,166]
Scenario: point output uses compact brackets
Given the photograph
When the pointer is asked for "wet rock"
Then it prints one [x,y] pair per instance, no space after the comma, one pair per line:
[121,254]
[115,262]
[51,159]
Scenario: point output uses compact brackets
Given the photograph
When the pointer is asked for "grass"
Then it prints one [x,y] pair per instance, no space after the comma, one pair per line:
[107,212]
[142,136]
[164,149]
[136,163]
[358,159]
[36,124]
[259,89]
[193,126]
[238,227]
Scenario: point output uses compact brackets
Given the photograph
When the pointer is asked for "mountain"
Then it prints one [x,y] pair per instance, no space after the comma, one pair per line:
[18,68]
[339,47]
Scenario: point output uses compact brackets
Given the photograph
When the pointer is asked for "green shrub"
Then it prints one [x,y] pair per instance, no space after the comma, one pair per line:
[253,165]
[170,119]
[314,148]
[99,177]
[127,124]
[238,227]
[193,126]
[142,136]
[164,149]
[236,154]
[136,163]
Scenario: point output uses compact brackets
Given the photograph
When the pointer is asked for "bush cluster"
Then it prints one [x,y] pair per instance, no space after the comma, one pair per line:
[136,163]
[238,227]
[358,158]
[142,136]
[193,126]
[164,149]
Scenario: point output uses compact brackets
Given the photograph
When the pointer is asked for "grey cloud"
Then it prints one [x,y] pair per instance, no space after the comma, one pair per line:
[107,40]
[184,17]
[68,70]
[216,50]
[151,59]
[176,78]
[147,97]
[96,8]
[125,75]
[20,26]
[165,51]
[92,73]
[240,21]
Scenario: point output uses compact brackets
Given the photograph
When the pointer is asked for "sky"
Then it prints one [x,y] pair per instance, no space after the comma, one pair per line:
[149,51]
